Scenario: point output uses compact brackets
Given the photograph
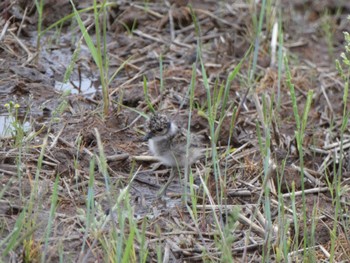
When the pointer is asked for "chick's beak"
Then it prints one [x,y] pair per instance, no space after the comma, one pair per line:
[148,136]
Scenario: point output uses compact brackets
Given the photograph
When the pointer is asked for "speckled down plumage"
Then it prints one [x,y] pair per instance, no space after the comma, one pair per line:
[169,143]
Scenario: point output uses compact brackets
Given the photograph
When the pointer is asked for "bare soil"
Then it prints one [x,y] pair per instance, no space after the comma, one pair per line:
[34,80]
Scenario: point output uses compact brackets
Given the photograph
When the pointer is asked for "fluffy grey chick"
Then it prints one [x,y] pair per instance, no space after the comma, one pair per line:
[168,143]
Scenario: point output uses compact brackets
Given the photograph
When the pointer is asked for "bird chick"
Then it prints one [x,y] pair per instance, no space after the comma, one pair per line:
[169,144]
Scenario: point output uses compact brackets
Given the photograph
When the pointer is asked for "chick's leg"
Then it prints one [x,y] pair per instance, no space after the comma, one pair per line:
[171,178]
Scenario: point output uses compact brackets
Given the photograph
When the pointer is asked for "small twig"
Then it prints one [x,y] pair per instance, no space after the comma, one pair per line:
[325,252]
[296,252]
[31,56]
[144,35]
[327,99]
[165,187]
[171,23]
[149,11]
[138,75]
[144,158]
[7,172]
[117,157]
[166,255]
[326,162]
[274,45]
[254,227]
[22,22]
[314,180]
[241,155]
[336,145]
[4,30]
[308,191]
[239,193]
[55,139]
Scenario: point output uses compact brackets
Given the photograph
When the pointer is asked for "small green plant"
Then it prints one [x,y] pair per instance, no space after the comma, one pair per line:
[131,29]
[16,127]
[93,218]
[301,122]
[229,228]
[116,243]
[31,250]
[343,68]
[328,28]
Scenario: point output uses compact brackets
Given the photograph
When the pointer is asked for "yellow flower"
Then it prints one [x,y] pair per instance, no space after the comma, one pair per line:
[17,106]
[7,105]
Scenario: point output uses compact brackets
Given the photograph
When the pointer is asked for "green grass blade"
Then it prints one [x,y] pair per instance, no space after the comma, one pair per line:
[51,217]
[86,35]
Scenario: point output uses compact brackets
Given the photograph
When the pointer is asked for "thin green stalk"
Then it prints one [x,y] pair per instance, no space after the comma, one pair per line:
[70,16]
[161,73]
[104,37]
[73,61]
[295,219]
[280,59]
[283,245]
[227,156]
[143,244]
[119,69]
[129,250]
[188,142]
[267,206]
[211,121]
[34,192]
[95,51]
[101,60]
[102,163]
[90,205]
[159,244]
[229,80]
[51,217]
[211,117]
[257,39]
[12,239]
[145,91]
[338,174]
[299,134]
[39,8]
